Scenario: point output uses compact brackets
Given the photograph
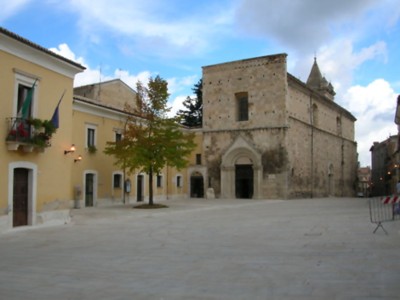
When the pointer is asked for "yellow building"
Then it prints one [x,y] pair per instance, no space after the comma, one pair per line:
[99,117]
[35,183]
[46,173]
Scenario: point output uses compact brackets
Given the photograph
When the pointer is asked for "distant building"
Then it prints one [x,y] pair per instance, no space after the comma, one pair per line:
[385,166]
[385,157]
[364,182]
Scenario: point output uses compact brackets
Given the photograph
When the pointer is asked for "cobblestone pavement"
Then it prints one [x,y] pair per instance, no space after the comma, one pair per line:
[207,249]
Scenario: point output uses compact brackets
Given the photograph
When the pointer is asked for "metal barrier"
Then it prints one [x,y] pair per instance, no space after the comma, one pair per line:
[384,209]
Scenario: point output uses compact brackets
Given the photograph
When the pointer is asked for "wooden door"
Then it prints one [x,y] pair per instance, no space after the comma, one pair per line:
[89,189]
[20,197]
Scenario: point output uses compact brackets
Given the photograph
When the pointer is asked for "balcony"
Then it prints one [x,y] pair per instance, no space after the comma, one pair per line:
[29,134]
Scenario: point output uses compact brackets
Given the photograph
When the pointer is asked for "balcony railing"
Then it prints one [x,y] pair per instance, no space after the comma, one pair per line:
[29,133]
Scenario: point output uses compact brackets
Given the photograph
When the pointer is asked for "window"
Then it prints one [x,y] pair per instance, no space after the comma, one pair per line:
[117,181]
[198,159]
[179,181]
[21,97]
[242,106]
[91,137]
[159,181]
[118,137]
[339,125]
[25,86]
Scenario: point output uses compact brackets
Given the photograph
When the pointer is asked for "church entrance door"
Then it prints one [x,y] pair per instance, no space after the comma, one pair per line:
[244,181]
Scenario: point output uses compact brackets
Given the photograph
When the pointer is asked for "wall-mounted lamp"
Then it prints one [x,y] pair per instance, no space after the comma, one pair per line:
[72,149]
[78,159]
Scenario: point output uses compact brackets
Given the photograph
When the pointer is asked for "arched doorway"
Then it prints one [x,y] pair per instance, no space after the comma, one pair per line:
[241,171]
[196,185]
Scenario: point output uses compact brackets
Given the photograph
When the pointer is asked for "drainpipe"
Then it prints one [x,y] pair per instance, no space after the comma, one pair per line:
[167,183]
[124,182]
[312,146]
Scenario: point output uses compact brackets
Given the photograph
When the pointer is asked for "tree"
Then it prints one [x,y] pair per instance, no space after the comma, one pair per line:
[151,139]
[193,115]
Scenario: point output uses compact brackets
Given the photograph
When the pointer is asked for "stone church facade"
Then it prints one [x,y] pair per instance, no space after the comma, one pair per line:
[268,135]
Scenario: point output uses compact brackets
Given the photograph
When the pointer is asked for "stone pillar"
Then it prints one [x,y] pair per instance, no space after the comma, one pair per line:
[227,182]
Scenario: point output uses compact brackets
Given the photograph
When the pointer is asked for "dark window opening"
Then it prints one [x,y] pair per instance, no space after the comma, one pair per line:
[159,181]
[118,137]
[198,159]
[242,106]
[117,181]
[178,181]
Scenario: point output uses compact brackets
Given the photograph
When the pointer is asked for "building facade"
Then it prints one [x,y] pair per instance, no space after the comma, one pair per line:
[35,176]
[364,182]
[385,166]
[265,135]
[99,117]
[269,135]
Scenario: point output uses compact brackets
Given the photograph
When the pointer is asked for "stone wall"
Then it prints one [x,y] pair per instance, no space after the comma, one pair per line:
[300,143]
[322,151]
[263,134]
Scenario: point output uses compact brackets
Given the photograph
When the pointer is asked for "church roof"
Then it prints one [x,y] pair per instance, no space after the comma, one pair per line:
[318,82]
[315,78]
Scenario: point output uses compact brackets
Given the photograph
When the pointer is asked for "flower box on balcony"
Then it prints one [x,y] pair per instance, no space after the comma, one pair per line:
[30,134]
[12,146]
[28,147]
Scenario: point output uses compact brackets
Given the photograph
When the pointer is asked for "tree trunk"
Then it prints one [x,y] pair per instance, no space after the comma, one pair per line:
[151,186]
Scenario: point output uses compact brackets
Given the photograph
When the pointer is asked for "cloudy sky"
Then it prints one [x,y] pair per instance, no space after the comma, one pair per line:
[356,42]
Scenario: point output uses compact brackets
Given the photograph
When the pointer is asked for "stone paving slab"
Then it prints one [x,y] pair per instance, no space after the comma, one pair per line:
[207,249]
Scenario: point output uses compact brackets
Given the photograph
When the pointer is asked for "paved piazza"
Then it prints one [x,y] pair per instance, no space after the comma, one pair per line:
[207,249]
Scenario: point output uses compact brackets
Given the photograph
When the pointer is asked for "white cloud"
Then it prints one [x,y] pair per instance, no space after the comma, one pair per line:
[374,107]
[337,62]
[176,104]
[9,8]
[65,51]
[305,25]
[156,25]
[176,85]
[131,79]
[90,76]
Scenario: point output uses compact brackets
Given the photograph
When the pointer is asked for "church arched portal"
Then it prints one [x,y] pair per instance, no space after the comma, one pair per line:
[241,171]
[196,185]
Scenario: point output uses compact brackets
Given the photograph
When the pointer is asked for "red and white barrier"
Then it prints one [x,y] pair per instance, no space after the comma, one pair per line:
[390,199]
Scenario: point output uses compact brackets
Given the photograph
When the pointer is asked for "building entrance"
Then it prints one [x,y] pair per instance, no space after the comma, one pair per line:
[244,181]
[139,188]
[196,186]
[20,197]
[89,189]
